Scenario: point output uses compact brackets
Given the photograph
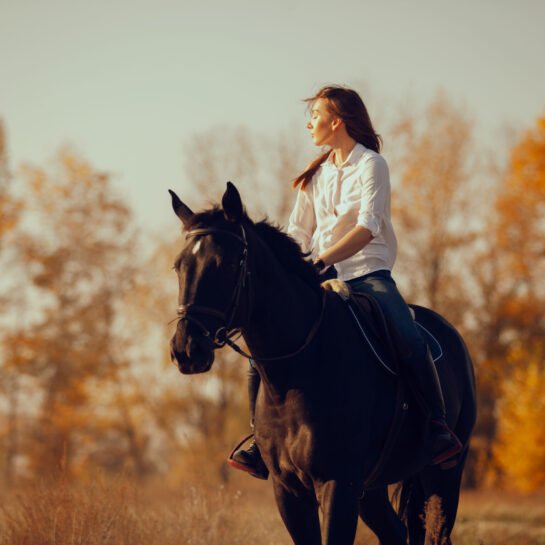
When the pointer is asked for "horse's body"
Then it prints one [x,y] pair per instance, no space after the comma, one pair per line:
[323,414]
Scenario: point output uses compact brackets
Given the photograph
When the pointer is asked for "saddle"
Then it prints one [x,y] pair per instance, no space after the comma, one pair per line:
[374,328]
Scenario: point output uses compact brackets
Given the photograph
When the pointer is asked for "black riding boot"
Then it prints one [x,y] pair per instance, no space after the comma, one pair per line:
[425,383]
[249,459]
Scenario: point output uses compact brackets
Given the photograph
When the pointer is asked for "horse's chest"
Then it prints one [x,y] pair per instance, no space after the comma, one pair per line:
[304,431]
[307,440]
[298,450]
[290,450]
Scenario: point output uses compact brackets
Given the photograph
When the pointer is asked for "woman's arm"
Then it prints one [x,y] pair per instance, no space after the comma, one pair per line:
[373,197]
[302,222]
[356,239]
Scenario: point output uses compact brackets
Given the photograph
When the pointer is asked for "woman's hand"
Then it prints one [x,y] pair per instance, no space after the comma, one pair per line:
[319,264]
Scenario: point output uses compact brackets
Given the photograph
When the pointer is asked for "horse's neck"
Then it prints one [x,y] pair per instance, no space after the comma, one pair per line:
[285,309]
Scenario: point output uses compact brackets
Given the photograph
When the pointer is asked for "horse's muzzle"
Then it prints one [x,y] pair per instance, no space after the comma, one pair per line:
[195,355]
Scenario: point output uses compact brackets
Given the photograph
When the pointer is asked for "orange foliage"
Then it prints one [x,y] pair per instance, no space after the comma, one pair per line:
[521,208]
[520,443]
[508,270]
[517,248]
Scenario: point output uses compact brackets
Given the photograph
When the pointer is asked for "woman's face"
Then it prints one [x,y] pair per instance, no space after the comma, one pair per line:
[322,123]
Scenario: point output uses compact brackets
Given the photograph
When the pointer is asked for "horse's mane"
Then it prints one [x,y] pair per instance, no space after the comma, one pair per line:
[285,249]
[288,252]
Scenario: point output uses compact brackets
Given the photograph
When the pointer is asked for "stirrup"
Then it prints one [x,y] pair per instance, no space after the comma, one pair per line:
[239,445]
[448,455]
[259,472]
[451,451]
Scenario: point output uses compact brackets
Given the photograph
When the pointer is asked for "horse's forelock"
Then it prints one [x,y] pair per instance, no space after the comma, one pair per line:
[212,218]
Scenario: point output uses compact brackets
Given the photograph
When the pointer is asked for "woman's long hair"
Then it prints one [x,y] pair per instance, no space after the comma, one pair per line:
[348,105]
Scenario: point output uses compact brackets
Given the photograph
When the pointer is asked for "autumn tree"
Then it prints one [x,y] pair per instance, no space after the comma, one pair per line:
[509,270]
[520,235]
[434,204]
[78,252]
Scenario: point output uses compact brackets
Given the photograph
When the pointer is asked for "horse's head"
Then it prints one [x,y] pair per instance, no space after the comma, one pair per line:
[212,271]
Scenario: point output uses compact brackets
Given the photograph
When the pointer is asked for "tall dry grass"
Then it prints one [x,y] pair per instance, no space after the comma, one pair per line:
[500,518]
[103,512]
[433,521]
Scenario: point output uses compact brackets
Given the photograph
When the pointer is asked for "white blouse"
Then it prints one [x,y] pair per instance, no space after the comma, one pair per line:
[339,198]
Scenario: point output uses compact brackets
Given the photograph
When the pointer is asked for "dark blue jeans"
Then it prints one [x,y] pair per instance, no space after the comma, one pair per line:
[382,287]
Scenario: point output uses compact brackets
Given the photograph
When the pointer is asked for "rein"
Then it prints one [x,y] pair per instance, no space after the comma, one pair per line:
[308,340]
[224,334]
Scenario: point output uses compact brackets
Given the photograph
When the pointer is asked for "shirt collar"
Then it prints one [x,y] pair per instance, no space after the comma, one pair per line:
[353,157]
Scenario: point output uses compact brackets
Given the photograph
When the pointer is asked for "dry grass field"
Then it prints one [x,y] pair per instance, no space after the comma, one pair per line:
[119,513]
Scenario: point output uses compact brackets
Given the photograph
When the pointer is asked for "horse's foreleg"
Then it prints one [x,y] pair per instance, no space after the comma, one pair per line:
[339,502]
[377,512]
[299,511]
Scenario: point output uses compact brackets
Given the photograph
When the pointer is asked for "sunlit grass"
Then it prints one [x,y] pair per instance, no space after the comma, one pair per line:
[121,513]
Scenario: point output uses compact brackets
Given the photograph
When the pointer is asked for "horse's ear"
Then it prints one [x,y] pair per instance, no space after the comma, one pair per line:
[180,209]
[232,204]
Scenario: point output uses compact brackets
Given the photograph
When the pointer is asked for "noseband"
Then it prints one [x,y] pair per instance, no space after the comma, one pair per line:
[224,333]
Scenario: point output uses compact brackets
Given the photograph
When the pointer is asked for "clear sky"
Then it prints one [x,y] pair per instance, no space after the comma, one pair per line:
[128,82]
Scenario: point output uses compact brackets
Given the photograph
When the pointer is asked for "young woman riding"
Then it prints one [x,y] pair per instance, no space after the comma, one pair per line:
[342,218]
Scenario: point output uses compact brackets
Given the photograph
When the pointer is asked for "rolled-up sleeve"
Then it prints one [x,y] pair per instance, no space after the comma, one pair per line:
[302,222]
[375,192]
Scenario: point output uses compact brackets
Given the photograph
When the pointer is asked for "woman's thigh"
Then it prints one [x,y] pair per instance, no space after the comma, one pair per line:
[383,288]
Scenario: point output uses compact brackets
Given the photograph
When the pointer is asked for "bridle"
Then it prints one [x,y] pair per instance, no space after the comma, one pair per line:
[225,333]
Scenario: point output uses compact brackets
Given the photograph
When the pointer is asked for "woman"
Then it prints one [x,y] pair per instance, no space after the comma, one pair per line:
[342,217]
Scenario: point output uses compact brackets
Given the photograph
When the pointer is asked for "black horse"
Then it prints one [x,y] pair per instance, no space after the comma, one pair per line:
[325,405]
